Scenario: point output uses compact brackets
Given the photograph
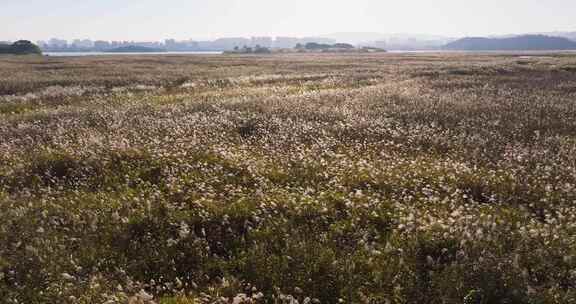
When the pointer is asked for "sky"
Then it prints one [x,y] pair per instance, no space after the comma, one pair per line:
[208,19]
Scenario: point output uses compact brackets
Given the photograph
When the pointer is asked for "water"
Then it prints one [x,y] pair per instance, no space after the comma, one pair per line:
[81,54]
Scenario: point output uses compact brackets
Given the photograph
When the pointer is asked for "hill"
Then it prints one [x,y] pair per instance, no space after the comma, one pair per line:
[525,42]
[567,35]
[135,49]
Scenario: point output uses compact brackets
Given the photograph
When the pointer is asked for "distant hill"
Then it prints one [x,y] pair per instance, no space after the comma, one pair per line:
[518,43]
[21,47]
[567,35]
[135,49]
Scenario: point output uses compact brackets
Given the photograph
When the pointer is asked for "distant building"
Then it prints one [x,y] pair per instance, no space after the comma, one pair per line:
[101,45]
[261,41]
[317,40]
[82,44]
[204,45]
[186,45]
[170,44]
[381,44]
[40,43]
[221,44]
[285,42]
[58,43]
[227,44]
[148,44]
[115,44]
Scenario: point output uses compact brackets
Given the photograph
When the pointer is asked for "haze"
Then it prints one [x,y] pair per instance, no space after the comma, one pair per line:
[183,19]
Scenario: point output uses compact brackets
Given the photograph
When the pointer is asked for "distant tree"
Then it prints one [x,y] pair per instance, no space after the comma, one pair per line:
[343,46]
[20,47]
[135,49]
[317,46]
[373,49]
[25,47]
[299,46]
[262,50]
[5,49]
[236,48]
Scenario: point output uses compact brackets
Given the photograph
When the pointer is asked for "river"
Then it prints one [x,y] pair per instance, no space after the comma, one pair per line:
[76,54]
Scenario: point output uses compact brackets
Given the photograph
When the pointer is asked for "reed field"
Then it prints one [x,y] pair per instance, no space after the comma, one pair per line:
[297,178]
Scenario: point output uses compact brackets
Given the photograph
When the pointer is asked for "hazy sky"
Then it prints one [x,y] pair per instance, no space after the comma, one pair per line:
[182,19]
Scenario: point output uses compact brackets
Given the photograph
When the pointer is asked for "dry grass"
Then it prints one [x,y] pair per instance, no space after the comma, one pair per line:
[312,178]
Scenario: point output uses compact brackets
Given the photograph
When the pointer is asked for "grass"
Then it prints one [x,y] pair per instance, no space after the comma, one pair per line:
[332,178]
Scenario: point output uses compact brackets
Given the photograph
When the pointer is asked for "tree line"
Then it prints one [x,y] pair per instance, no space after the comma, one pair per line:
[20,47]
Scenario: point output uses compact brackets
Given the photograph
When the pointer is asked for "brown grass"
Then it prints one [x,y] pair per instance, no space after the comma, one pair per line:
[390,178]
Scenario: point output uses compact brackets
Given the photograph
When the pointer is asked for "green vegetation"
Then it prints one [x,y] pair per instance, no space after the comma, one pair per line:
[323,46]
[314,178]
[20,47]
[250,50]
[335,48]
[136,49]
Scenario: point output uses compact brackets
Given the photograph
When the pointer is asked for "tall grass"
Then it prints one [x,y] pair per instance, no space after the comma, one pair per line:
[296,178]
